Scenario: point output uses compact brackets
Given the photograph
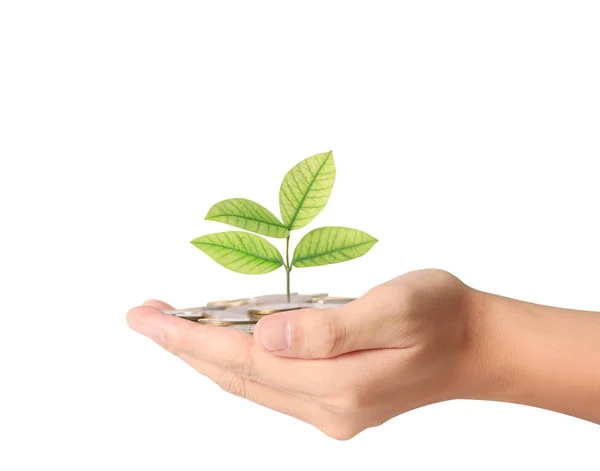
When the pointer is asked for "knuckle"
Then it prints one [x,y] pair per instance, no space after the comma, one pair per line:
[387,298]
[340,431]
[330,337]
[241,363]
[232,384]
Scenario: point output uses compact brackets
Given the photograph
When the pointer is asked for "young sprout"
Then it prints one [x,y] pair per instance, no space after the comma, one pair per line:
[303,194]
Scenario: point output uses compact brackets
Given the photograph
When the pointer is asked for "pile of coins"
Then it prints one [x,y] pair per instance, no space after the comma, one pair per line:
[243,314]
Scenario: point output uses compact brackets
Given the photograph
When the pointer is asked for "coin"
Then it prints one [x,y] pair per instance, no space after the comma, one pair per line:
[332,300]
[267,309]
[283,299]
[228,303]
[216,312]
[191,317]
[190,310]
[243,313]
[190,314]
[273,298]
[226,321]
[248,328]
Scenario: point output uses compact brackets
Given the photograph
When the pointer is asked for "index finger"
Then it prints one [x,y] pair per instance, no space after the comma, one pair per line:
[226,348]
[158,305]
[234,351]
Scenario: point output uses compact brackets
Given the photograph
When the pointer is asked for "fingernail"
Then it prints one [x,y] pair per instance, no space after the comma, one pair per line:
[276,334]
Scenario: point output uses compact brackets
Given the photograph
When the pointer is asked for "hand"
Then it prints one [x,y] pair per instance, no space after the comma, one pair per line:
[404,344]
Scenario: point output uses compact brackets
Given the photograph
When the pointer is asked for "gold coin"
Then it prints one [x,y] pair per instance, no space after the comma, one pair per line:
[214,322]
[273,308]
[226,321]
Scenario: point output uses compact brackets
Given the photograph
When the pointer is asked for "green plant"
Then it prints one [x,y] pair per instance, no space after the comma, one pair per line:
[304,193]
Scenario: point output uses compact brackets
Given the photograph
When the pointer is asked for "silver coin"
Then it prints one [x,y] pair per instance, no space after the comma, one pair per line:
[272,298]
[191,314]
[187,310]
[333,300]
[248,328]
[237,312]
[228,303]
[243,313]
[282,298]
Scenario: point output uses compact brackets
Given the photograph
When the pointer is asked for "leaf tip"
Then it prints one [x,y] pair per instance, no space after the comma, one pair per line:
[210,212]
[196,240]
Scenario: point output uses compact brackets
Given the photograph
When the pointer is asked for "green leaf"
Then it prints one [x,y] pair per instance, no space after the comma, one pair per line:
[246,214]
[240,251]
[305,190]
[332,244]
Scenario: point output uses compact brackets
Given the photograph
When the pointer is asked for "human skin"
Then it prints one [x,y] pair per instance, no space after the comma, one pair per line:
[421,338]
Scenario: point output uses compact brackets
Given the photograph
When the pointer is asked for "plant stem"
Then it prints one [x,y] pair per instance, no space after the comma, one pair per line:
[288,268]
[288,283]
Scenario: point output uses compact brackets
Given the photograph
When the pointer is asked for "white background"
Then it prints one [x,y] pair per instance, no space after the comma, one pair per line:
[466,137]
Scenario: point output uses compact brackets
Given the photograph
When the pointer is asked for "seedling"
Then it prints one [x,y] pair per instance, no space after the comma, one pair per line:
[304,193]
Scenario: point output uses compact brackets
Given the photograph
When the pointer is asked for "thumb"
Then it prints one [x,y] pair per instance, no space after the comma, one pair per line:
[324,333]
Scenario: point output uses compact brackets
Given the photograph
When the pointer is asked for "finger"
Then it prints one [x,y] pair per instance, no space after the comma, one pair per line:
[258,393]
[158,305]
[179,335]
[233,351]
[227,349]
[373,321]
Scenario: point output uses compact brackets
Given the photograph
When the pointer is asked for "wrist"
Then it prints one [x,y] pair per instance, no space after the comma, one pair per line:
[490,367]
[533,355]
